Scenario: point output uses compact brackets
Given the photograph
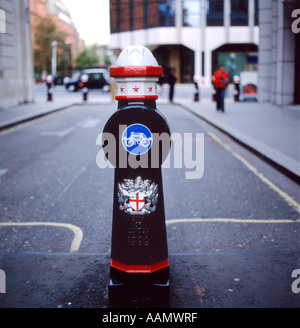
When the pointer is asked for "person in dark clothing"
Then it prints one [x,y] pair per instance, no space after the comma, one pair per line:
[220,81]
[195,81]
[171,78]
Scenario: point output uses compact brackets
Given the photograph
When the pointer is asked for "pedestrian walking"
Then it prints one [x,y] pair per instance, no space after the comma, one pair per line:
[220,81]
[196,79]
[43,77]
[171,78]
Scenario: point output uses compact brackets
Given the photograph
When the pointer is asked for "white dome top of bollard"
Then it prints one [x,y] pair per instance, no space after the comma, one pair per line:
[49,79]
[136,56]
[135,73]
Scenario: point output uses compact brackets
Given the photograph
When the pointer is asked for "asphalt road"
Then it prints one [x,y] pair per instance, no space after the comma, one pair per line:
[233,234]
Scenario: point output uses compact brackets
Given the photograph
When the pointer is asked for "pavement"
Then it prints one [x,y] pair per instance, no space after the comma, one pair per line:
[271,132]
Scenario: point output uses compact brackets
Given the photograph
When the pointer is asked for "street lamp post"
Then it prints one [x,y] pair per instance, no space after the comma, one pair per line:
[53,62]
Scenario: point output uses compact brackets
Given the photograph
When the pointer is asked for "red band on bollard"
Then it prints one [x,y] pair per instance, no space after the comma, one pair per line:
[153,97]
[131,268]
[127,71]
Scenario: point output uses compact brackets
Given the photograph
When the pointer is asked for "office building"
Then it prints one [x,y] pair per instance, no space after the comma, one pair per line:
[192,36]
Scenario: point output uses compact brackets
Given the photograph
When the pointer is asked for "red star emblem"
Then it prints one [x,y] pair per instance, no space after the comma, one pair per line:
[135,89]
[122,88]
[149,88]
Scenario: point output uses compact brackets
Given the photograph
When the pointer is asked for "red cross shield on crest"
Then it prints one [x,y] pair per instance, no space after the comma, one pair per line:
[137,201]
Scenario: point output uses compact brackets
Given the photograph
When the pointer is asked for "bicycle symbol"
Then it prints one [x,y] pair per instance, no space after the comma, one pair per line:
[137,138]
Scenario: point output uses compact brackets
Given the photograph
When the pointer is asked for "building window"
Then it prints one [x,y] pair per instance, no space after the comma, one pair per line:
[256,16]
[151,14]
[191,13]
[159,13]
[214,12]
[115,16]
[239,12]
[129,15]
[166,12]
[125,21]
[138,15]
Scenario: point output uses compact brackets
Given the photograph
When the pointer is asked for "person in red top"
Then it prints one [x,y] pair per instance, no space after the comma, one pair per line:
[220,81]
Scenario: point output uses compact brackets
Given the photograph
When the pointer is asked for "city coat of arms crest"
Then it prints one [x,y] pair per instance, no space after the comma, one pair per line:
[137,197]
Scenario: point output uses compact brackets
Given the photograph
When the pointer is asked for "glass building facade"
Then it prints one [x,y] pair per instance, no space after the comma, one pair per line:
[130,15]
[214,12]
[193,36]
[191,13]
[239,12]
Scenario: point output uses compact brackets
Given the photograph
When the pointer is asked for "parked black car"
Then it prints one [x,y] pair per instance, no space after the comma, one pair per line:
[98,79]
[58,80]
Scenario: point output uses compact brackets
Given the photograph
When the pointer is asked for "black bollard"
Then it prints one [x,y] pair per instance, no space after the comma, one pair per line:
[49,81]
[139,268]
[236,82]
[84,79]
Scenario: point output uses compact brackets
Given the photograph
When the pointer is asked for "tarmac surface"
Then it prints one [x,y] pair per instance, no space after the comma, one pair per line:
[245,260]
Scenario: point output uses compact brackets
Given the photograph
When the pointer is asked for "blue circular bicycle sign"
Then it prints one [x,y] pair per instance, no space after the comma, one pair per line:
[137,139]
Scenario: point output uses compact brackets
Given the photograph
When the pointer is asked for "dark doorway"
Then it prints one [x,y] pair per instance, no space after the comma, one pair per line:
[178,57]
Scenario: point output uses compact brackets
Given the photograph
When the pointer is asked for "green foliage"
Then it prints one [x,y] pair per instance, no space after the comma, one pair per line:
[46,32]
[87,58]
[104,56]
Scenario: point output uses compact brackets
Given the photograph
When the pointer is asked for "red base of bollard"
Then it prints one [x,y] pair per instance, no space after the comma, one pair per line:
[84,96]
[49,97]
[139,290]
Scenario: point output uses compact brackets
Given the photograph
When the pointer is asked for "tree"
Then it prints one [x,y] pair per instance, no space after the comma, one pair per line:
[45,32]
[104,55]
[87,58]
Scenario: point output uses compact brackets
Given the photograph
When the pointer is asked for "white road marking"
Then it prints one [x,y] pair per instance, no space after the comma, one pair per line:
[229,220]
[89,122]
[67,187]
[3,171]
[78,234]
[293,203]
[86,123]
[59,134]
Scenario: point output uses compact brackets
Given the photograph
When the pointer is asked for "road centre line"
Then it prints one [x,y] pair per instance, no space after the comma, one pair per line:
[78,234]
[85,123]
[229,220]
[293,203]
[3,171]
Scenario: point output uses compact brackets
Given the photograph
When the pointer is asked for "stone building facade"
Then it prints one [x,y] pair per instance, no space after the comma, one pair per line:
[16,62]
[279,53]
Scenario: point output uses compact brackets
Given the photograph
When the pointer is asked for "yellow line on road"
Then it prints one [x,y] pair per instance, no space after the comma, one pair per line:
[224,220]
[293,203]
[78,234]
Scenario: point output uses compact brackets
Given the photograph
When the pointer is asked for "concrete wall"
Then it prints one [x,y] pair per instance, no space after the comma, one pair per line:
[276,54]
[16,63]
